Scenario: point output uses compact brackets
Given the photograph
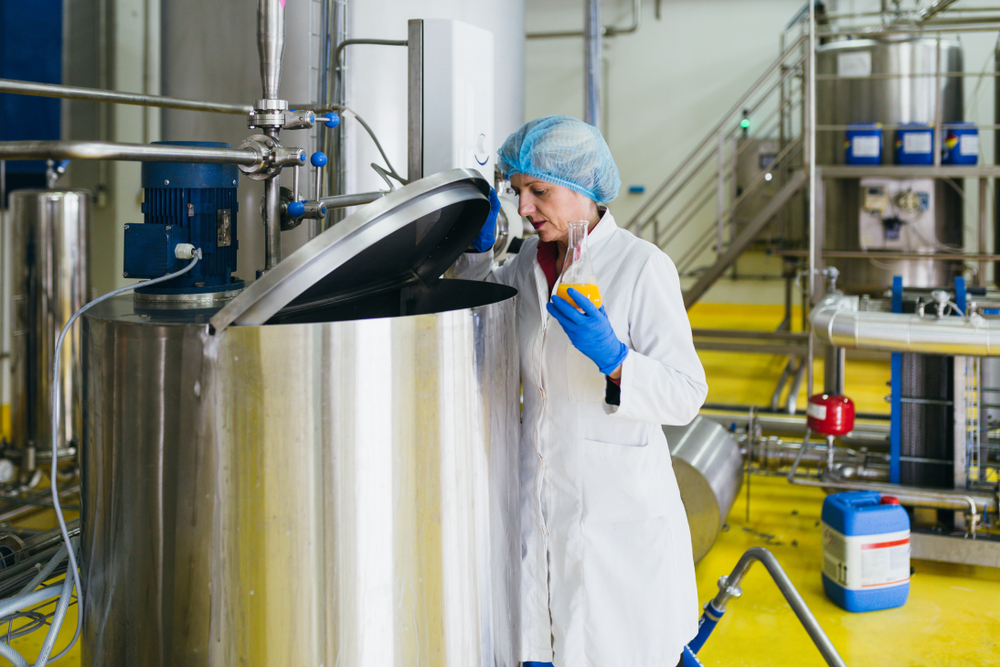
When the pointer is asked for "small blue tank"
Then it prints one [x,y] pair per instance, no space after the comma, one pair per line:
[863,144]
[866,551]
[915,144]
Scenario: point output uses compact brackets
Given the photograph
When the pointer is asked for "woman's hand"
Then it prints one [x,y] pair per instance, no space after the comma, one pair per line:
[487,235]
[589,331]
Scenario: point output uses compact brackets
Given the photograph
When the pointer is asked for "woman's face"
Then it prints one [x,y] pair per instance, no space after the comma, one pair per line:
[550,207]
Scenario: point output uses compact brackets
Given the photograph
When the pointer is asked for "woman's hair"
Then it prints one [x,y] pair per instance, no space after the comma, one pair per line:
[565,151]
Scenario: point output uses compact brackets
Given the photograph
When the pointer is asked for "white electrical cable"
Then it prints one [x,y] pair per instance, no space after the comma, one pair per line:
[73,567]
[57,621]
[45,572]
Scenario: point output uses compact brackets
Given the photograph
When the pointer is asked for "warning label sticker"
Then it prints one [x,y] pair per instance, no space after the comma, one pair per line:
[864,562]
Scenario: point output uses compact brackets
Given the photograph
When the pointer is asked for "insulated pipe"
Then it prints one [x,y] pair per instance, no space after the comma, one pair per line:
[106,150]
[729,588]
[592,29]
[836,321]
[98,95]
[270,44]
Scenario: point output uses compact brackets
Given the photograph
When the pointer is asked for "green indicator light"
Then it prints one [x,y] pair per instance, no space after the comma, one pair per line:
[745,123]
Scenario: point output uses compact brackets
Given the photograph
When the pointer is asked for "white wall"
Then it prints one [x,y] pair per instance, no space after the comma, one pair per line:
[377,81]
[667,84]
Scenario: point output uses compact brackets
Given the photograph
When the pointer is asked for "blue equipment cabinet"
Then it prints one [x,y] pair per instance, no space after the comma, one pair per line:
[186,203]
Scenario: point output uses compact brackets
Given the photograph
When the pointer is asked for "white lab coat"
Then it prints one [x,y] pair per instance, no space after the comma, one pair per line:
[605,544]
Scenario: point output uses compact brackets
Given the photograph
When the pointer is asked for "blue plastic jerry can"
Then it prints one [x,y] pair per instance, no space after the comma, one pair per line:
[866,551]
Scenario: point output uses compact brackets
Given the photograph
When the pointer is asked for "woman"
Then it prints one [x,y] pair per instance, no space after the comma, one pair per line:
[607,571]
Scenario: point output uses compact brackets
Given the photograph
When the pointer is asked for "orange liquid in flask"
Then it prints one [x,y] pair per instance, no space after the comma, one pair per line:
[590,291]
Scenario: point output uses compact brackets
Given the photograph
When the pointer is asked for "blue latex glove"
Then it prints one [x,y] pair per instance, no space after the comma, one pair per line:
[487,235]
[589,331]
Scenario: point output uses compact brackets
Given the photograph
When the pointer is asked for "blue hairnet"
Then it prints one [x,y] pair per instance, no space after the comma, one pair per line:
[565,151]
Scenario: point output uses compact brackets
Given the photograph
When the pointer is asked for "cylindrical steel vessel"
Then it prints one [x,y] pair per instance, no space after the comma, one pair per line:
[302,494]
[709,469]
[897,85]
[50,283]
[334,483]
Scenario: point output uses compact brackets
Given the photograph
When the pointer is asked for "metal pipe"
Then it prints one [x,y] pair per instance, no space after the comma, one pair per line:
[836,321]
[270,44]
[343,201]
[98,95]
[378,42]
[862,254]
[934,9]
[988,25]
[793,391]
[592,43]
[607,31]
[983,222]
[809,137]
[272,222]
[918,497]
[337,177]
[870,434]
[938,103]
[729,588]
[752,348]
[720,195]
[736,333]
[106,150]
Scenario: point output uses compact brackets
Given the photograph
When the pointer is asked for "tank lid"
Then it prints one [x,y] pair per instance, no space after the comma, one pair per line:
[411,235]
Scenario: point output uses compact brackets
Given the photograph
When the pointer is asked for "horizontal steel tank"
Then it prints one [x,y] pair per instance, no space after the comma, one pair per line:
[894,83]
[709,469]
[51,281]
[325,471]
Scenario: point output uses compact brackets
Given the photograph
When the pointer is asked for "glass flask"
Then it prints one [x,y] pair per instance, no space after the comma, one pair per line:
[578,272]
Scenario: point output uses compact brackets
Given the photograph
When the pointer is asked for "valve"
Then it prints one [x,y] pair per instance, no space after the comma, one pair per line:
[294,212]
[271,157]
[318,160]
[299,120]
[332,120]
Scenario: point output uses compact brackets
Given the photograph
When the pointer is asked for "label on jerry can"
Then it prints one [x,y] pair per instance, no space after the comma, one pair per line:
[866,562]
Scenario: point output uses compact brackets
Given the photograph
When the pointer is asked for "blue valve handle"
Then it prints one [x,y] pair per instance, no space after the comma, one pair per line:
[318,159]
[296,209]
[332,120]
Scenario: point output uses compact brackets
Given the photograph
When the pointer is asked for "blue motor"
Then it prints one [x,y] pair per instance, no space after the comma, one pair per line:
[186,203]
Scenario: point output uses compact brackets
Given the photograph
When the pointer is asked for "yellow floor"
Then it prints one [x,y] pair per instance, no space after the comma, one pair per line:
[750,379]
[951,618]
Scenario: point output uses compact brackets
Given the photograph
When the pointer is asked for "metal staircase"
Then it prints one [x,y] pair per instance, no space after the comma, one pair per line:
[704,215]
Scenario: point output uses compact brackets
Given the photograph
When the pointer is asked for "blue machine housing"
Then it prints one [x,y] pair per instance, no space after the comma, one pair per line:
[186,203]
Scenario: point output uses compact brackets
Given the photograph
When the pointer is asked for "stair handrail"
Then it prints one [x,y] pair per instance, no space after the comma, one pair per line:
[713,134]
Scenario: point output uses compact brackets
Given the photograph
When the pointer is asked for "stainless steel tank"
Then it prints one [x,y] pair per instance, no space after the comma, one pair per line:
[709,469]
[50,282]
[325,472]
[902,89]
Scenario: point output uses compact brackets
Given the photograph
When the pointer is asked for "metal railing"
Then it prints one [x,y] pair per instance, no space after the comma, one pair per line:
[699,206]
